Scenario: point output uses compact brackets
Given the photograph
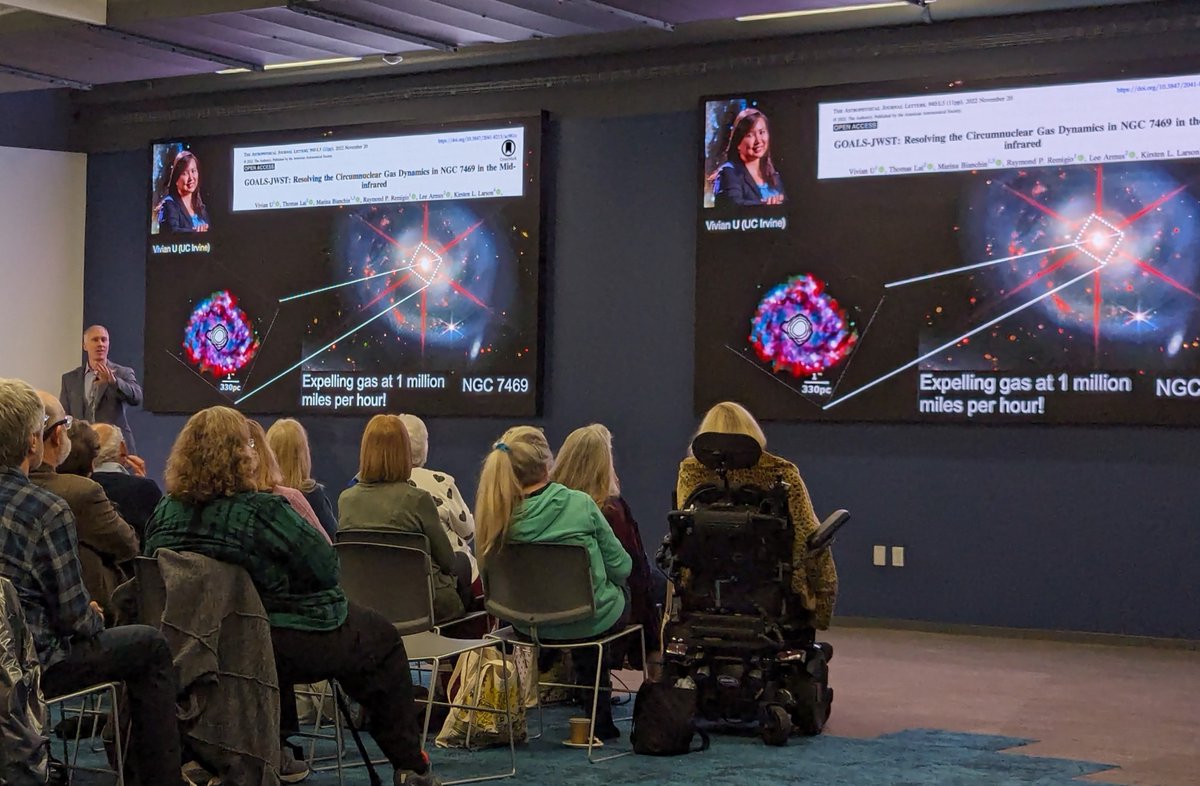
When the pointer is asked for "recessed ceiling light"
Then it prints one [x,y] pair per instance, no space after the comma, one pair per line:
[834,10]
[296,64]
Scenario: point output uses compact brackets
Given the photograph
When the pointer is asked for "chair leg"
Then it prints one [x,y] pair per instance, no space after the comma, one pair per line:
[117,735]
[595,698]
[338,721]
[433,679]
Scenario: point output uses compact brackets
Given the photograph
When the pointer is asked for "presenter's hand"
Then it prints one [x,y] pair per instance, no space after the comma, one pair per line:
[774,200]
[105,374]
[202,228]
[136,465]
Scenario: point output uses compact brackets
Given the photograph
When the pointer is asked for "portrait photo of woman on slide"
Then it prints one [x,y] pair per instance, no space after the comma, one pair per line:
[748,175]
[180,208]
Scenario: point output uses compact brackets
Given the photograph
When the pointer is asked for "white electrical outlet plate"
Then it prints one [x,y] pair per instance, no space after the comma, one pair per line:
[897,556]
[880,556]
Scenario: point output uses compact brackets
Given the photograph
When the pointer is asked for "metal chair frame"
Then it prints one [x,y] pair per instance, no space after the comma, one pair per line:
[96,693]
[561,556]
[414,619]
[412,540]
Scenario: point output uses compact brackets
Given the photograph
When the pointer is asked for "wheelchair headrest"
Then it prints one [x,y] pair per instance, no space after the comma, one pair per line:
[726,451]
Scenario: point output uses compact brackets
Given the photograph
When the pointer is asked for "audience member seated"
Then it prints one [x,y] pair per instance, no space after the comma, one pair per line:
[289,443]
[124,478]
[814,582]
[38,555]
[213,507]
[585,463]
[270,479]
[452,509]
[383,500]
[518,503]
[85,446]
[106,541]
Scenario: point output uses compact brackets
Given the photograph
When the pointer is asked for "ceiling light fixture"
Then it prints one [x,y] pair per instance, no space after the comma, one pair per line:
[297,64]
[834,10]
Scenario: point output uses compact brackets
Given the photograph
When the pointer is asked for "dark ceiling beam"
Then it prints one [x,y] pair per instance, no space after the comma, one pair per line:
[174,48]
[38,76]
[315,11]
[641,19]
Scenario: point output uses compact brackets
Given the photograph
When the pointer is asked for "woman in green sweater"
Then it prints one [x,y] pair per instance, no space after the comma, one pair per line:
[517,503]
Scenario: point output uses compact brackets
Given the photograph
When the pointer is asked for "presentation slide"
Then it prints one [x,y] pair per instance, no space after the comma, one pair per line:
[987,253]
[351,270]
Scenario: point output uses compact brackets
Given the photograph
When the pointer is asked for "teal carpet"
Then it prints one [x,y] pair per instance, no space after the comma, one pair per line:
[916,757]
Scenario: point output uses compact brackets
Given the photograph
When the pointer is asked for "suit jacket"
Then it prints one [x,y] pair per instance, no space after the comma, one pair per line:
[735,186]
[111,406]
[135,498]
[105,539]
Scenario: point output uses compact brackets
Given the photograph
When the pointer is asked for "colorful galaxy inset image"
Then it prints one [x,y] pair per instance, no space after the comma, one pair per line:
[799,328]
[219,338]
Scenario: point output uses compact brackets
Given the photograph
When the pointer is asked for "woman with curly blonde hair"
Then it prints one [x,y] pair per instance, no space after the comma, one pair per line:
[213,507]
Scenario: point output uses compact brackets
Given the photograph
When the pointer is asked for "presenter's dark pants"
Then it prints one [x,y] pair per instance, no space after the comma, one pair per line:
[366,656]
[138,656]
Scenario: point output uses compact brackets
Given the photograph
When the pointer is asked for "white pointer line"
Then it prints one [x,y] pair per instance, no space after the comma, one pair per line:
[342,337]
[344,284]
[949,344]
[965,268]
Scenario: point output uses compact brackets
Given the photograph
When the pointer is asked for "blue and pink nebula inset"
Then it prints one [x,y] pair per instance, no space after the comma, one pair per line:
[220,338]
[801,329]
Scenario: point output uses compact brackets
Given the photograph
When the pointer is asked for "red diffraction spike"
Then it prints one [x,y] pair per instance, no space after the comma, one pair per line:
[1097,293]
[436,248]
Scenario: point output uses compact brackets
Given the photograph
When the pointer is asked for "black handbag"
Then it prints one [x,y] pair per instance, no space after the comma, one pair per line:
[664,721]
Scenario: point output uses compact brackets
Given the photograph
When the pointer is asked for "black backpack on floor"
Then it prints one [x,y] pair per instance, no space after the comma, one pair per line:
[664,721]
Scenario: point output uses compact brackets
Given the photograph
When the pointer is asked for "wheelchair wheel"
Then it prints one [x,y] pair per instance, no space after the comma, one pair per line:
[776,726]
[812,709]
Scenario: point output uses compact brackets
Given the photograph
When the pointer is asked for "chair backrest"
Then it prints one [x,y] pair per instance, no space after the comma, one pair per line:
[385,537]
[538,583]
[151,591]
[391,580]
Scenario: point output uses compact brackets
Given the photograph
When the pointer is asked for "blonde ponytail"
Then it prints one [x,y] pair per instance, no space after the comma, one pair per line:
[520,458]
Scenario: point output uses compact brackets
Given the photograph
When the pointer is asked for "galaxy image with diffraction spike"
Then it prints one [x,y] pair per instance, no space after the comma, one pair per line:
[1104,259]
[220,338]
[799,328]
[436,279]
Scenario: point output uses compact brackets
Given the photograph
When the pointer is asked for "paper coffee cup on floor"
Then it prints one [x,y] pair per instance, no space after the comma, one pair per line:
[579,730]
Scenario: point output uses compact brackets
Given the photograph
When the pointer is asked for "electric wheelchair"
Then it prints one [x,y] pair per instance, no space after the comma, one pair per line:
[734,629]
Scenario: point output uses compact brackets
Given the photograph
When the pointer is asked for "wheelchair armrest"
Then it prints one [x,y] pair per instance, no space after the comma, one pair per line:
[823,537]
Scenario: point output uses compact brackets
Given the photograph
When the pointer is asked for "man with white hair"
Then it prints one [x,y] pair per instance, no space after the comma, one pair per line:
[98,390]
[105,539]
[123,479]
[38,555]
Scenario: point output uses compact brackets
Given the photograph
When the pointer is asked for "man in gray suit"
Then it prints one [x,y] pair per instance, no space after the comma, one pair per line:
[99,390]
